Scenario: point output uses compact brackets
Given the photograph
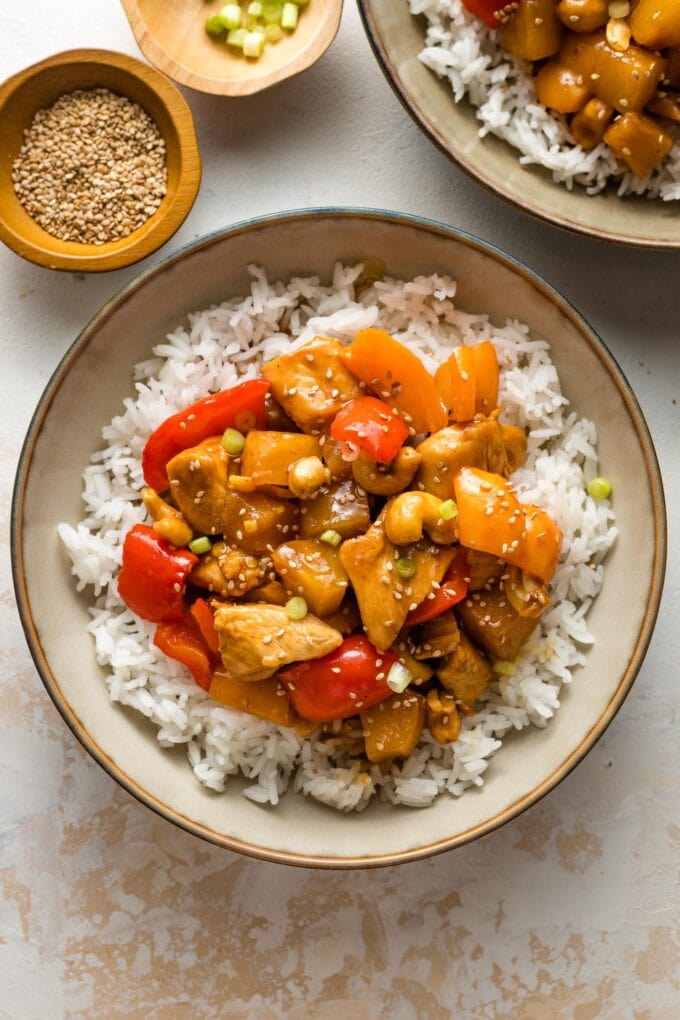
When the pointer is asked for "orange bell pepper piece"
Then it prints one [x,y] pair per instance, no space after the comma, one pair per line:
[491,519]
[397,376]
[265,699]
[455,382]
[486,377]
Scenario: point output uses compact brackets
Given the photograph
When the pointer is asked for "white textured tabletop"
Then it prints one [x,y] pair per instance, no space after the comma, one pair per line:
[108,911]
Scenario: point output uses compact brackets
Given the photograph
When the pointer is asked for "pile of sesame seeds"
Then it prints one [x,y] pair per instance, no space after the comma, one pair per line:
[92,167]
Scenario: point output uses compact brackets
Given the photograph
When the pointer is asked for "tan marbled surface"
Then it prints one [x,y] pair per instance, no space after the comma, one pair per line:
[107,911]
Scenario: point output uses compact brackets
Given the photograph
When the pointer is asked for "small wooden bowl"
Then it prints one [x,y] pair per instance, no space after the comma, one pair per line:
[172,36]
[38,87]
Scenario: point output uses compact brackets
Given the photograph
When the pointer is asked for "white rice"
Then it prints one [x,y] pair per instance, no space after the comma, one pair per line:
[462,49]
[227,343]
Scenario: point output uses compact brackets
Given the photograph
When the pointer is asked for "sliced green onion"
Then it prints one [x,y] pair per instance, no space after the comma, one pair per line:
[398,678]
[448,510]
[236,38]
[254,9]
[504,667]
[213,25]
[272,11]
[296,608]
[600,488]
[233,441]
[405,568]
[289,17]
[273,33]
[331,537]
[199,545]
[253,44]
[230,16]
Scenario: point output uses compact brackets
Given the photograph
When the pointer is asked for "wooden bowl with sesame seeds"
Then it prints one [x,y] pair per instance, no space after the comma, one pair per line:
[37,88]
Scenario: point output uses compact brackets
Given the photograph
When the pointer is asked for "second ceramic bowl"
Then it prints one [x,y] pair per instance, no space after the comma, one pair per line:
[397,38]
[95,377]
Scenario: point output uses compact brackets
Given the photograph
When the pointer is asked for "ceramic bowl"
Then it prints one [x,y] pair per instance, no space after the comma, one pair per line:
[397,37]
[39,86]
[96,374]
[176,42]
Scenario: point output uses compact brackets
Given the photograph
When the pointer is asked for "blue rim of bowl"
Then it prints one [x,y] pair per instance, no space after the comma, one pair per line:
[458,159]
[646,629]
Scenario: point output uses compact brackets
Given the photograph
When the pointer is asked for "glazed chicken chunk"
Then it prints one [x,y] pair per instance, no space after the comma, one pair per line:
[256,640]
[385,600]
[312,383]
[483,443]
[198,482]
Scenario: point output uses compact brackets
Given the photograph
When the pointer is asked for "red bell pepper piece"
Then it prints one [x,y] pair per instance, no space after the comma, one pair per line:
[184,642]
[203,615]
[348,680]
[453,589]
[486,10]
[153,576]
[241,407]
[373,426]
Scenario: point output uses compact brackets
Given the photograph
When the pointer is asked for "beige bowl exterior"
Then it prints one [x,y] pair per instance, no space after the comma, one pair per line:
[397,38]
[93,379]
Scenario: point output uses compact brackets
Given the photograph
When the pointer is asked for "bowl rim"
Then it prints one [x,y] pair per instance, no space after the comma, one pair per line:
[653,479]
[171,66]
[458,158]
[190,173]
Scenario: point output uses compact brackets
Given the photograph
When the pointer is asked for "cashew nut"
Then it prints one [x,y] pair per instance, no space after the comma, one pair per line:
[388,480]
[306,476]
[443,720]
[168,522]
[411,513]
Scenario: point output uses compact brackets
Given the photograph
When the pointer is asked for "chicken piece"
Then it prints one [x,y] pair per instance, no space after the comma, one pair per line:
[483,443]
[342,507]
[393,728]
[627,80]
[273,593]
[465,673]
[331,454]
[385,600]
[346,619]
[198,483]
[230,572]
[483,569]
[312,569]
[492,622]
[443,720]
[437,638]
[420,671]
[257,640]
[256,522]
[312,383]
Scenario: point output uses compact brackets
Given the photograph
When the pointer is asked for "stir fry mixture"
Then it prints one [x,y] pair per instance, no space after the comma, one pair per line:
[338,540]
[612,67]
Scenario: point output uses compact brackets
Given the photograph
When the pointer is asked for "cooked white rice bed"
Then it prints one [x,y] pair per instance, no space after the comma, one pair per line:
[225,344]
[462,49]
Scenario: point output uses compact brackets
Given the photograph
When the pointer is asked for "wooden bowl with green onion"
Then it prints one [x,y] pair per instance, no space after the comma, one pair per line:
[38,87]
[174,38]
